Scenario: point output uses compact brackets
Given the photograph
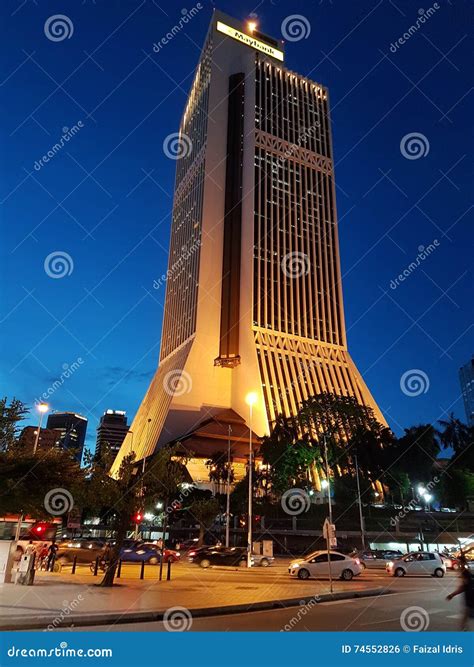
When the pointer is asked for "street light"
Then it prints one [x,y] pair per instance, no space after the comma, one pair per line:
[324,484]
[250,399]
[42,409]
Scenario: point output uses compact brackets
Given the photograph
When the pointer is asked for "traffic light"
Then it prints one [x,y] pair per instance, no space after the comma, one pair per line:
[138,517]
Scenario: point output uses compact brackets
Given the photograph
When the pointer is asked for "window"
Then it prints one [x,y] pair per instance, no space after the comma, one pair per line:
[322,558]
[335,557]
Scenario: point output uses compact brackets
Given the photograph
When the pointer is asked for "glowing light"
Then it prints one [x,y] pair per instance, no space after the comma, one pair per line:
[251,398]
[252,26]
[42,407]
[324,484]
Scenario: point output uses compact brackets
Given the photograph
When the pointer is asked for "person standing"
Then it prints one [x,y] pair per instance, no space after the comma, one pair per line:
[466,587]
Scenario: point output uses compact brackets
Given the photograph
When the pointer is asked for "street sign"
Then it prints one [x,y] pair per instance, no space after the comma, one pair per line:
[329,532]
[74,518]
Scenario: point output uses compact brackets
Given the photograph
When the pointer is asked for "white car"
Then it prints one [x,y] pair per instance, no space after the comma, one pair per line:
[317,565]
[417,562]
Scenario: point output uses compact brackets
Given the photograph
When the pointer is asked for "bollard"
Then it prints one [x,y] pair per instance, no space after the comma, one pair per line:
[74,563]
[96,566]
[142,570]
[119,569]
[168,571]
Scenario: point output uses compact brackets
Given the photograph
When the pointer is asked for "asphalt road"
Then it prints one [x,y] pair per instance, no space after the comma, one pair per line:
[386,612]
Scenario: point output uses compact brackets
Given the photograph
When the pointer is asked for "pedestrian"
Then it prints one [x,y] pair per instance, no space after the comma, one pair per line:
[30,549]
[53,548]
[466,586]
[42,556]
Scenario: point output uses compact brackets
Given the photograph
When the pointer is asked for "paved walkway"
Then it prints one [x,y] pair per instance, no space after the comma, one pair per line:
[61,596]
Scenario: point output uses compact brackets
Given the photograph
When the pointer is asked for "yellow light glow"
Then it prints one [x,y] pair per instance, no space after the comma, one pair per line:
[43,407]
[251,398]
[252,26]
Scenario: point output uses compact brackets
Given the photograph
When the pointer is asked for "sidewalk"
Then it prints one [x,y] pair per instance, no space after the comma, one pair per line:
[57,601]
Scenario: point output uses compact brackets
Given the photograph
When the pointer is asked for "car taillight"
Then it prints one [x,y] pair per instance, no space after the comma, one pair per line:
[192,553]
[357,560]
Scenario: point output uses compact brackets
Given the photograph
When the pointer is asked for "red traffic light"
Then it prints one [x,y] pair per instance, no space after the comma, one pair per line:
[39,529]
[138,517]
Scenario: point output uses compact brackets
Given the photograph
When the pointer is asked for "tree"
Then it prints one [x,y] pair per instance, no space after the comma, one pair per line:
[204,510]
[126,494]
[460,437]
[457,485]
[290,453]
[415,452]
[42,485]
[220,470]
[10,417]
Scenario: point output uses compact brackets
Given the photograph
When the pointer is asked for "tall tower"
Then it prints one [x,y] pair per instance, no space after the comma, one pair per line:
[253,290]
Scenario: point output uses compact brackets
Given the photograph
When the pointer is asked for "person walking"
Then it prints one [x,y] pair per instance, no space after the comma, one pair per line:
[466,587]
[53,548]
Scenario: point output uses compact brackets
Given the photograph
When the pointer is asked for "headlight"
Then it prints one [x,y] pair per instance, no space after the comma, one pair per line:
[178,554]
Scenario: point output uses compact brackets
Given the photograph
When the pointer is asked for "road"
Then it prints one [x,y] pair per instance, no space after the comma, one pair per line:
[373,613]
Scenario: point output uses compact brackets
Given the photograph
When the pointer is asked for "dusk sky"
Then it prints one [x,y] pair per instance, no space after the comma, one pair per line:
[105,198]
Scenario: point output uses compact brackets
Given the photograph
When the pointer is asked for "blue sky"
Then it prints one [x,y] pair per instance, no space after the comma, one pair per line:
[105,198]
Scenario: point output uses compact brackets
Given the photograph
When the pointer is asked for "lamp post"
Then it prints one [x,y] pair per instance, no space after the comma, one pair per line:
[250,399]
[227,510]
[362,530]
[42,409]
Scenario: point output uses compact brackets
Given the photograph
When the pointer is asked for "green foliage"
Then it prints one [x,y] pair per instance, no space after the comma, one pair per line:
[26,479]
[10,417]
[457,485]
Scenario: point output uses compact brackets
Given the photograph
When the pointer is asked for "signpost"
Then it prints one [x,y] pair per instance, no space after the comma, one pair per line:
[74,518]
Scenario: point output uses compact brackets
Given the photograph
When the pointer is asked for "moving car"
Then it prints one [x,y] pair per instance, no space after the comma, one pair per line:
[417,562]
[207,556]
[451,562]
[258,560]
[376,558]
[84,550]
[317,565]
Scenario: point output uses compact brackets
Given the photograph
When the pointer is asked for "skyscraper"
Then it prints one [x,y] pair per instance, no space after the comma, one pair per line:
[466,378]
[112,430]
[72,428]
[253,289]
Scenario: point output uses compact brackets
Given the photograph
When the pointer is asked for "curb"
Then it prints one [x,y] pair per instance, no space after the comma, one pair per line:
[108,618]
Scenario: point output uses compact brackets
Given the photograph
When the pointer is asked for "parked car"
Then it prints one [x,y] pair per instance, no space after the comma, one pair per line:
[258,560]
[207,556]
[84,550]
[376,558]
[317,565]
[417,562]
[138,551]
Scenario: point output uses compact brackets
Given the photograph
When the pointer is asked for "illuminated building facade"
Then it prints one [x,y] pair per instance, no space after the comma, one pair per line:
[253,295]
